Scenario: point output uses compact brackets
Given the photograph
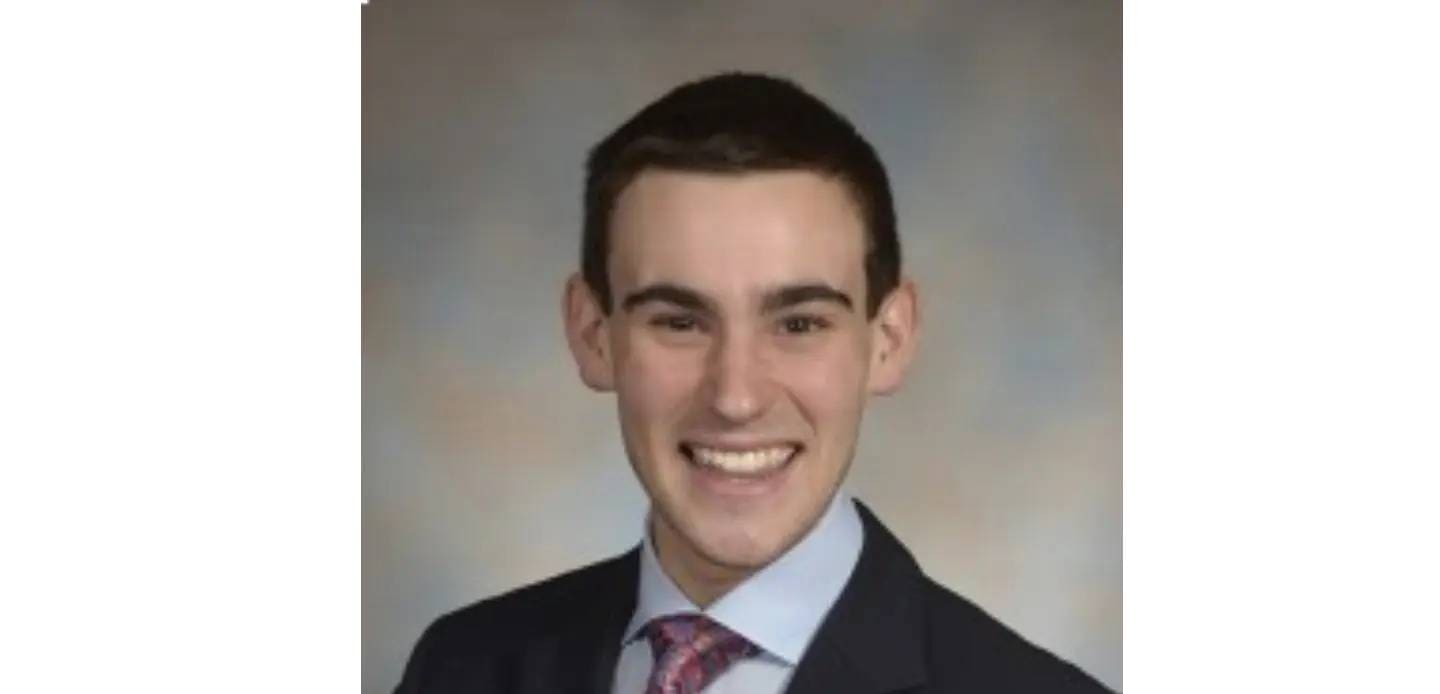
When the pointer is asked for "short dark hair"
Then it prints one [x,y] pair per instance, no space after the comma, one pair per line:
[736,123]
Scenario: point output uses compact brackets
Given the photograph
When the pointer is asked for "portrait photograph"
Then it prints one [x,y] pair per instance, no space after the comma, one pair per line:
[796,324]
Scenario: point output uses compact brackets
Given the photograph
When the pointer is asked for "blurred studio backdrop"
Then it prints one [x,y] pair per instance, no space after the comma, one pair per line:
[487,464]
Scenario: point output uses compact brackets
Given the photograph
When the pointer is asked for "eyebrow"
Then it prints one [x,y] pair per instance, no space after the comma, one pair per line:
[792,295]
[775,300]
[667,293]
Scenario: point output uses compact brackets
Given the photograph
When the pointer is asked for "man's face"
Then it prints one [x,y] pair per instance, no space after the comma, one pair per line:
[740,353]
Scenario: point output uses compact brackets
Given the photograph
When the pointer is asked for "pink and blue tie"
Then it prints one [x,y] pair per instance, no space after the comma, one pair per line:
[690,651]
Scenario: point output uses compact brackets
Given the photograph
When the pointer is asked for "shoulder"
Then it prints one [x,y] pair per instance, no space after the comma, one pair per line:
[536,608]
[968,643]
[461,644]
[964,647]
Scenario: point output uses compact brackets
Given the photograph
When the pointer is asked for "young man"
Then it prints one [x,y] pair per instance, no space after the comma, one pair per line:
[740,293]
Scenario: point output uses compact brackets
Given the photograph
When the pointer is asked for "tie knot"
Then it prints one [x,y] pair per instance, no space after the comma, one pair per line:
[690,651]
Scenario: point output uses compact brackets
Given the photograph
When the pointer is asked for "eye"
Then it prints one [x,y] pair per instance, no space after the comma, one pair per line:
[675,323]
[801,325]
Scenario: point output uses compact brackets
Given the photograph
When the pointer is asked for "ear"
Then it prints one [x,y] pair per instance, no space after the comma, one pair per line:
[587,329]
[896,333]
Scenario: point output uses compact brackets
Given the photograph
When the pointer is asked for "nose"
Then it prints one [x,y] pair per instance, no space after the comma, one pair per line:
[739,379]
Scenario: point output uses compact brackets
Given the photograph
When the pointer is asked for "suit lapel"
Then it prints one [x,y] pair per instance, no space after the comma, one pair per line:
[581,658]
[871,642]
[873,639]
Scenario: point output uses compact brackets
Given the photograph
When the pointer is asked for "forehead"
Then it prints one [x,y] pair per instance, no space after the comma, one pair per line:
[736,233]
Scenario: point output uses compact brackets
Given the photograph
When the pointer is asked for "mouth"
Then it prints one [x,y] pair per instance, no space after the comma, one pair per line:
[756,463]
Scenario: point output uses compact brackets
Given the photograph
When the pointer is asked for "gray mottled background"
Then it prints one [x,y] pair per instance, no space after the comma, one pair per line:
[488,465]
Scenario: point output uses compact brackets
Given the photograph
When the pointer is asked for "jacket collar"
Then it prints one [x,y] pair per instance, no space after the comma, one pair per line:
[873,640]
[582,657]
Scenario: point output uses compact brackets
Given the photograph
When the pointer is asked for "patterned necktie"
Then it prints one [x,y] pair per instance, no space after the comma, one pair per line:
[690,651]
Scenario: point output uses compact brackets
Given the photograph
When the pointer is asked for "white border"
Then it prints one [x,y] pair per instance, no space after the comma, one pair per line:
[180,281]
[1280,348]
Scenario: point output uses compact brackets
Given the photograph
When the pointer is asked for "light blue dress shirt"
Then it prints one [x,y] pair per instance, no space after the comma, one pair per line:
[778,608]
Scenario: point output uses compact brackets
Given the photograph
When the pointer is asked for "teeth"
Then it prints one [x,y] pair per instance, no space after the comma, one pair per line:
[743,462]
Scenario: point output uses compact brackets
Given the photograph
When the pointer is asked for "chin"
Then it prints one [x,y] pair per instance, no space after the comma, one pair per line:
[741,554]
[738,548]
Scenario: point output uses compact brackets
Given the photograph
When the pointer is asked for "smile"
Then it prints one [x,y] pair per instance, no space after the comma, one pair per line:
[755,462]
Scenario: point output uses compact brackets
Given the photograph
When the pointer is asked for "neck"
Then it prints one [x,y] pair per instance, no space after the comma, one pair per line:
[701,579]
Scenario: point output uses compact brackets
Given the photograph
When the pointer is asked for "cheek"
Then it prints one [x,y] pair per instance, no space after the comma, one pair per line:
[653,384]
[830,385]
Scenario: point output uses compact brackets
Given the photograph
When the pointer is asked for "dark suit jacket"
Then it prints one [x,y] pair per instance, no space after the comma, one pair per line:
[892,630]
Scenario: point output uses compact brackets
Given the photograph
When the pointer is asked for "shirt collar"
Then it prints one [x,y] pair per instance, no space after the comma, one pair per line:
[778,608]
